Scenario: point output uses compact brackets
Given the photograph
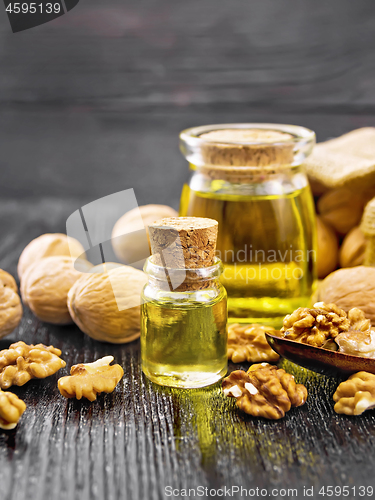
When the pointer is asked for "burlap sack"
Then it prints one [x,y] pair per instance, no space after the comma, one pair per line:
[348,160]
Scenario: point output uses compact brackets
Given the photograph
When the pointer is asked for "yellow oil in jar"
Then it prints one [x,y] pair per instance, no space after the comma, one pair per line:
[184,344]
[268,247]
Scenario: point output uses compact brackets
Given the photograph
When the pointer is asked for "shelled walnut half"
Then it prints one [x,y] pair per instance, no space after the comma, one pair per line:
[249,343]
[11,410]
[322,324]
[89,379]
[264,391]
[355,395]
[21,362]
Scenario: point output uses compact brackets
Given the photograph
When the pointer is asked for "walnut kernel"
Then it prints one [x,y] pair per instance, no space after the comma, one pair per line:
[355,395]
[264,391]
[357,343]
[358,320]
[315,326]
[21,362]
[11,409]
[89,379]
[249,343]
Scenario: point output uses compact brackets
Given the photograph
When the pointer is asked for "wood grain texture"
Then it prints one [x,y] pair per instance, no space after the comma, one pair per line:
[93,101]
[178,53]
[133,443]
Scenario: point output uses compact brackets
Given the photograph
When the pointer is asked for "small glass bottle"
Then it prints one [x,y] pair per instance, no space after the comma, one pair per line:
[184,315]
[251,179]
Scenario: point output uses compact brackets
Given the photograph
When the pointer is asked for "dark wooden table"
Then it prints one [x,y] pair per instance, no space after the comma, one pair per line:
[92,103]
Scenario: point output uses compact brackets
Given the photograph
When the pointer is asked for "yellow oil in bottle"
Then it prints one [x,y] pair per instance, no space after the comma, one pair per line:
[184,344]
[268,247]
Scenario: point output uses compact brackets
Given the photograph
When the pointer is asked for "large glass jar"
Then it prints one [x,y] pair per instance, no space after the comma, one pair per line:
[183,329]
[251,179]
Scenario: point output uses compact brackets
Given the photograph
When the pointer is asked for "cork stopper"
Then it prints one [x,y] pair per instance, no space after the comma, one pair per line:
[182,246]
[247,147]
[183,242]
[368,229]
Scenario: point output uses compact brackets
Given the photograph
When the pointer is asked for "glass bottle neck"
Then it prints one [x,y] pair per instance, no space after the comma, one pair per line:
[170,279]
[279,181]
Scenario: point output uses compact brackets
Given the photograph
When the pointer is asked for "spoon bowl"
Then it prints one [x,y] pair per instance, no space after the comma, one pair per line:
[318,359]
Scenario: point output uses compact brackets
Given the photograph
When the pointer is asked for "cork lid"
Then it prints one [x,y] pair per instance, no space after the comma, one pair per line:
[247,147]
[183,242]
[245,152]
[246,136]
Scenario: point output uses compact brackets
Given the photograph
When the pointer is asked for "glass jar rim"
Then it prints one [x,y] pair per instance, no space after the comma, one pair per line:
[192,135]
[243,155]
[192,274]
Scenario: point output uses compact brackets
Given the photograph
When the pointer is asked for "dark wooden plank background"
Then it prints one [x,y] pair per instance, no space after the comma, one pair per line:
[92,103]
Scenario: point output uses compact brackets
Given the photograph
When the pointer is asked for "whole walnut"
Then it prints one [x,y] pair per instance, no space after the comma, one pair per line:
[352,251]
[10,304]
[48,245]
[106,305]
[45,286]
[8,280]
[128,236]
[350,287]
[328,248]
[341,208]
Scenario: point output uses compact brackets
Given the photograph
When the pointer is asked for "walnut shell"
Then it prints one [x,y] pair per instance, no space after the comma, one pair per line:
[352,251]
[328,248]
[350,287]
[102,315]
[10,304]
[130,247]
[47,245]
[45,286]
[342,209]
[8,280]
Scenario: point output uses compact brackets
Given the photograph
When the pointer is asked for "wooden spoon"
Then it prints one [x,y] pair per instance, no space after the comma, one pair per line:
[318,359]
